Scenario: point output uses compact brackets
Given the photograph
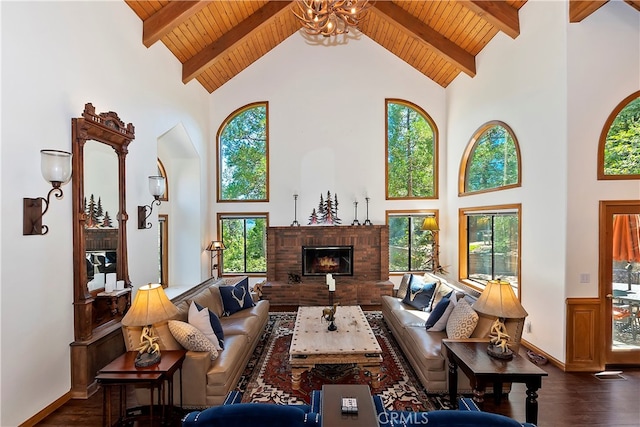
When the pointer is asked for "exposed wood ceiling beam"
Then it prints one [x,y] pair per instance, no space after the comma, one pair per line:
[421,31]
[166,19]
[210,54]
[634,4]
[497,13]
[580,9]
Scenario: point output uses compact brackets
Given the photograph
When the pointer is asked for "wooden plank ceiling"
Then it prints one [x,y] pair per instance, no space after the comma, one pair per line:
[215,40]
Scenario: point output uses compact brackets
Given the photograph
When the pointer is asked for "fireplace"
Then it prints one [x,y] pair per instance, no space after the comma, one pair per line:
[322,260]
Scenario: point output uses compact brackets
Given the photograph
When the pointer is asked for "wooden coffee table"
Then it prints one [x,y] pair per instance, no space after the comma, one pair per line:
[482,369]
[353,343]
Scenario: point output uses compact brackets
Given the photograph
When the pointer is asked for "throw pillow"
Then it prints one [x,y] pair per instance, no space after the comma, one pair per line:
[191,338]
[215,325]
[419,294]
[462,321]
[236,298]
[437,313]
[441,324]
[404,285]
[202,320]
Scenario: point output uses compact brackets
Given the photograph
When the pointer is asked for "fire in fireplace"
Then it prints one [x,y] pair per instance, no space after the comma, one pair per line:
[321,260]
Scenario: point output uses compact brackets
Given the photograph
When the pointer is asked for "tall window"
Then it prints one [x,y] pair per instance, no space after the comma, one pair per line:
[619,150]
[410,248]
[245,239]
[243,161]
[412,160]
[491,243]
[491,161]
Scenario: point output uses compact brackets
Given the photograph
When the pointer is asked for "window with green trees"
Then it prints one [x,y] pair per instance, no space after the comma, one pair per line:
[245,239]
[412,162]
[491,161]
[492,240]
[410,247]
[242,162]
[619,153]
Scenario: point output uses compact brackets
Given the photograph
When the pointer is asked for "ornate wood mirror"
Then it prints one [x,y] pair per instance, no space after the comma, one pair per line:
[100,144]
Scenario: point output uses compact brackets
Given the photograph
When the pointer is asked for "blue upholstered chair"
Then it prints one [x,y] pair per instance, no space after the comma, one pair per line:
[232,414]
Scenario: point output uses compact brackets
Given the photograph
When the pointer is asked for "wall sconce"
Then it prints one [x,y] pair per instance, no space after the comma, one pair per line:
[157,187]
[216,247]
[56,169]
[431,225]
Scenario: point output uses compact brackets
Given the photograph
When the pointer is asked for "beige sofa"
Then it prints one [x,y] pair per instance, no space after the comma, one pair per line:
[424,348]
[204,382]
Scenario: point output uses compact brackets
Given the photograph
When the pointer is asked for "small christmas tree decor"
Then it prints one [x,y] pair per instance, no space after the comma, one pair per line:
[327,212]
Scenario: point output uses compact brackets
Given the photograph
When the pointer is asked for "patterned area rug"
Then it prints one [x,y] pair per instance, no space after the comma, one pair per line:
[267,377]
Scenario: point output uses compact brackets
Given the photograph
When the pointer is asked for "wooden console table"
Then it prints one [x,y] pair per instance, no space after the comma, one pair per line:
[122,372]
[482,369]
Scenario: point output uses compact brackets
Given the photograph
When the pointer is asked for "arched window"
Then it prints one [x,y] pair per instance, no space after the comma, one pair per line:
[619,148]
[242,161]
[412,156]
[491,161]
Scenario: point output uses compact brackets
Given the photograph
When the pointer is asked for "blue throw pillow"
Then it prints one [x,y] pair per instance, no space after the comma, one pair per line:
[215,324]
[438,310]
[236,298]
[419,294]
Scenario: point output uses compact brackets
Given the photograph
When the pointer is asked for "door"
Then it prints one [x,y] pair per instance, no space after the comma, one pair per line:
[620,280]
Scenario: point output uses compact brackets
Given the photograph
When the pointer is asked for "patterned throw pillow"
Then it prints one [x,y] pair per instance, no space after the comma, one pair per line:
[462,321]
[236,298]
[404,285]
[191,338]
[419,294]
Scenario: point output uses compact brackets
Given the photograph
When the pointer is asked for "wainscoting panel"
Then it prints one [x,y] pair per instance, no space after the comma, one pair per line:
[583,335]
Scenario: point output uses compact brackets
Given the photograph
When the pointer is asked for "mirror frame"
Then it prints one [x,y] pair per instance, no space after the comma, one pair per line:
[106,128]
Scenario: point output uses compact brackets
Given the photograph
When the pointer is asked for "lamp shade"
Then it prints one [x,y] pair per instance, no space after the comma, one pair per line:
[157,185]
[216,245]
[150,306]
[498,299]
[430,224]
[55,165]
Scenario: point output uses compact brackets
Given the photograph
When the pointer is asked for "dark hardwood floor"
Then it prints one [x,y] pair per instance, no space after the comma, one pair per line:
[565,399]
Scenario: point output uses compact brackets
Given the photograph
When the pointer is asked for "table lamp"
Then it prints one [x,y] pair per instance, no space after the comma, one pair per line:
[498,299]
[150,306]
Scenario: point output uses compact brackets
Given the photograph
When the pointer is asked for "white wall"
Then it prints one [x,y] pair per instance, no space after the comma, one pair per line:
[326,125]
[604,65]
[57,56]
[522,82]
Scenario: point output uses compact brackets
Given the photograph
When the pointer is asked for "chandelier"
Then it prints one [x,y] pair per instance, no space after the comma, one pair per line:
[329,18]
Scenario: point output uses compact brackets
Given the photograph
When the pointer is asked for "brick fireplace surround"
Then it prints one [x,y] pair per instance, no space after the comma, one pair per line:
[370,278]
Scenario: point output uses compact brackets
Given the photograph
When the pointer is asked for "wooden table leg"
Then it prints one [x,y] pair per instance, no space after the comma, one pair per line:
[453,382]
[296,377]
[106,403]
[531,408]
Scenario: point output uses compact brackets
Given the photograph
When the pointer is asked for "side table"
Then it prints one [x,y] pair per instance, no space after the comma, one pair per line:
[122,371]
[482,369]
[121,380]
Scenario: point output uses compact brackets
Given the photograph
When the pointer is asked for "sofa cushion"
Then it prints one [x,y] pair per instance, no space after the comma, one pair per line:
[236,298]
[191,338]
[210,298]
[404,285]
[208,323]
[442,290]
[462,321]
[419,293]
[426,348]
[437,321]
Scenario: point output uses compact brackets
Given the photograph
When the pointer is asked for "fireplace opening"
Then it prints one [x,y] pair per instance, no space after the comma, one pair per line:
[322,260]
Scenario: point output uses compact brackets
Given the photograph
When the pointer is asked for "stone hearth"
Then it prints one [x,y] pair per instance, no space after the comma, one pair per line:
[370,278]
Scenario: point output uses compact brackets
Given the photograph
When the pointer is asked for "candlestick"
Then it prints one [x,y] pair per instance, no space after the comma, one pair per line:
[355,215]
[295,222]
[367,222]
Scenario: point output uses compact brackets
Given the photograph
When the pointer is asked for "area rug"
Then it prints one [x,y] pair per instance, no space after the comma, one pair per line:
[267,377]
